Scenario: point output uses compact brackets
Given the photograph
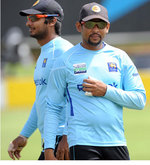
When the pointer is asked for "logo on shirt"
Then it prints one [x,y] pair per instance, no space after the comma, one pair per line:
[80,87]
[79,68]
[40,82]
[112,66]
[113,85]
[44,62]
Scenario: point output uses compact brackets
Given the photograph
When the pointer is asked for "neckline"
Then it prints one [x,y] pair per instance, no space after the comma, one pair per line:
[93,51]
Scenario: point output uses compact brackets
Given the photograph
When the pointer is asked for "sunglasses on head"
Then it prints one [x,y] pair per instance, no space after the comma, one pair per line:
[36,17]
[91,24]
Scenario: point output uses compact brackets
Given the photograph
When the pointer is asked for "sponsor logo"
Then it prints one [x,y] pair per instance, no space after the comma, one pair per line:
[44,62]
[80,87]
[79,68]
[112,67]
[40,82]
[113,85]
[96,8]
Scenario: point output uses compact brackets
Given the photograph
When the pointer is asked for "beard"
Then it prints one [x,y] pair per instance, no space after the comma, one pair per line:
[40,35]
[94,43]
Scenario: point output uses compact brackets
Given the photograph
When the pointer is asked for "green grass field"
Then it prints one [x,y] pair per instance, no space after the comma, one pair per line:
[136,123]
[11,125]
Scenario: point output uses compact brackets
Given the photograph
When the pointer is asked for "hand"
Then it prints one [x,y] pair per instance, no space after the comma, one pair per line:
[16,146]
[63,149]
[96,87]
[49,154]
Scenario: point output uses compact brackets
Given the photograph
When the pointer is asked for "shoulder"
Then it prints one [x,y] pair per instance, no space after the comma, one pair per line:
[121,55]
[70,52]
[115,49]
[60,46]
[65,57]
[63,43]
[116,52]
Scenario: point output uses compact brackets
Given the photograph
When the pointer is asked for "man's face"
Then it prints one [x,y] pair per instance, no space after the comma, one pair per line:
[93,32]
[37,27]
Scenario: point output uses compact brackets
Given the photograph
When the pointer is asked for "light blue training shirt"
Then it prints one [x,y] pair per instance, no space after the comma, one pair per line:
[93,121]
[49,53]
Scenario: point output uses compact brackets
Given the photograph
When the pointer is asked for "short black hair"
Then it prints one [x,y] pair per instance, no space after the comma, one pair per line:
[58,28]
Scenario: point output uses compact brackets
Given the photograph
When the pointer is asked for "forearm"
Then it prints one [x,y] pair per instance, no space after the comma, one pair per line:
[129,99]
[28,129]
[31,124]
[51,122]
[65,132]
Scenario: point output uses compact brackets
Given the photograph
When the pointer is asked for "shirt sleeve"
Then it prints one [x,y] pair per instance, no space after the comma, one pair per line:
[31,124]
[65,132]
[132,95]
[55,102]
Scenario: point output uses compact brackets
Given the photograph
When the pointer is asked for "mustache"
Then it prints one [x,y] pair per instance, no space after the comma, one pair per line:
[95,34]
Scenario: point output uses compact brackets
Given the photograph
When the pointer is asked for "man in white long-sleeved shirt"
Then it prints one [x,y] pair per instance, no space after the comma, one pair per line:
[100,80]
[44,20]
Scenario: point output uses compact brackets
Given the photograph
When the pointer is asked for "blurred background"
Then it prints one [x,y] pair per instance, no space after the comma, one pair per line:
[130,31]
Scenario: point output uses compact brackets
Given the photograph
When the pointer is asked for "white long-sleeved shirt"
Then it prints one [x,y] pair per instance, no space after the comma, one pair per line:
[49,53]
[95,121]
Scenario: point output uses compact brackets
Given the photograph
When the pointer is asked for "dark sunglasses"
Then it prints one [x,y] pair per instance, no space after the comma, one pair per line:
[36,17]
[91,24]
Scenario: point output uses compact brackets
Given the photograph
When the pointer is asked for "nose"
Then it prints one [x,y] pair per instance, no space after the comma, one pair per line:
[95,28]
[28,23]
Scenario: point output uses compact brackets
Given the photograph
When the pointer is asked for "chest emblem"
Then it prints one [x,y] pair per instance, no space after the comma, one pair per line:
[112,67]
[44,63]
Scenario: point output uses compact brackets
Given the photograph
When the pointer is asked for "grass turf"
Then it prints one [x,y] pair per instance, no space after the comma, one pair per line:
[12,123]
[136,124]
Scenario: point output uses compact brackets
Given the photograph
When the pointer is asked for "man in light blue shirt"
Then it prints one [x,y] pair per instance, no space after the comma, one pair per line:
[44,21]
[99,81]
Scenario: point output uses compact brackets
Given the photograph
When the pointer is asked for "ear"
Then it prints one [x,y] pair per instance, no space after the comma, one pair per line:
[78,26]
[53,22]
[107,28]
